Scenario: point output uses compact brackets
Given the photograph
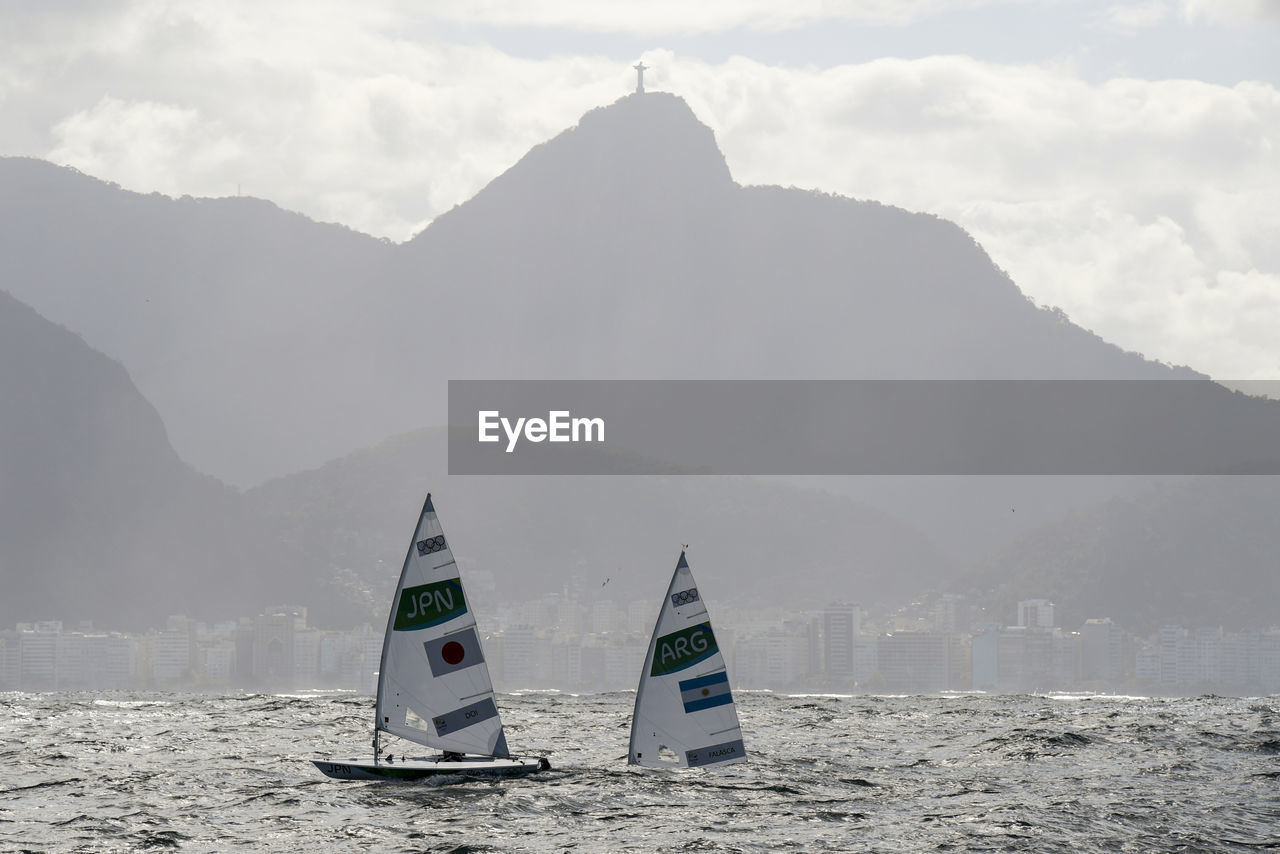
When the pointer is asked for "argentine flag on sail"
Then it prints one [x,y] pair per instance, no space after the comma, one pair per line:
[705,692]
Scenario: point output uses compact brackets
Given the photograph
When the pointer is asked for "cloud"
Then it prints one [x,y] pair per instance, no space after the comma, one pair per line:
[339,118]
[146,143]
[1231,12]
[1131,17]
[669,17]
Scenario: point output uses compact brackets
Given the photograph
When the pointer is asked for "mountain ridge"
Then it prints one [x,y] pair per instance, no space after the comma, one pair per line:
[609,251]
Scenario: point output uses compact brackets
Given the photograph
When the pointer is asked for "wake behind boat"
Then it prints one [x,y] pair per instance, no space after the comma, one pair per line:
[684,714]
[433,685]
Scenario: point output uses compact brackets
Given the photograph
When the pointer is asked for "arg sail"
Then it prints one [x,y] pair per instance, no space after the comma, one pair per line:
[685,714]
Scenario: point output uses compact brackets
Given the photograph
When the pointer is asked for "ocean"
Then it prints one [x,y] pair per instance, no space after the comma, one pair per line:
[199,772]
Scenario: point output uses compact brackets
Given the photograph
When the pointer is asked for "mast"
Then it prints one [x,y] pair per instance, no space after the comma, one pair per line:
[386,637]
[648,659]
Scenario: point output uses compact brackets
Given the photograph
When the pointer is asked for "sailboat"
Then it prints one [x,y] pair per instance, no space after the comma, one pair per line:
[684,715]
[433,684]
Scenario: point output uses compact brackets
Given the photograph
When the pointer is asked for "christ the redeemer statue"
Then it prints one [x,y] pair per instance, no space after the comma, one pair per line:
[639,67]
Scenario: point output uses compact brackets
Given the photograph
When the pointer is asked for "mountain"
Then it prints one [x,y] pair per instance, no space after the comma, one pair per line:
[620,248]
[226,312]
[268,349]
[99,518]
[623,248]
[1193,552]
[531,536]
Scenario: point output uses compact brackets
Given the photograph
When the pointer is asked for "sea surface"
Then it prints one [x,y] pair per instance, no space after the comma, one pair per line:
[192,772]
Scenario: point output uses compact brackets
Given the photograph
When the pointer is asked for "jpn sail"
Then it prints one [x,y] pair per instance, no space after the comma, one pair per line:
[684,715]
[433,685]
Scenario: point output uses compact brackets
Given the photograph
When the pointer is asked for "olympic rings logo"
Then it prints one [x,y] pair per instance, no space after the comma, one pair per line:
[431,544]
[684,597]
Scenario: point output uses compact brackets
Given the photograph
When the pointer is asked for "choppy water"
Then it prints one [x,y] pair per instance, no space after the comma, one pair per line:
[100,773]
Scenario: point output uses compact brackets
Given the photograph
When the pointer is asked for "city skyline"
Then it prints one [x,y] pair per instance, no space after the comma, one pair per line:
[600,646]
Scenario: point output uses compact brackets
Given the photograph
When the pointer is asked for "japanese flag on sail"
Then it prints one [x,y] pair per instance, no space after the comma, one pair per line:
[457,651]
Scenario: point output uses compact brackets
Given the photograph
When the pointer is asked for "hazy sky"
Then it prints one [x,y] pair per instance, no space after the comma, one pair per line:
[1118,159]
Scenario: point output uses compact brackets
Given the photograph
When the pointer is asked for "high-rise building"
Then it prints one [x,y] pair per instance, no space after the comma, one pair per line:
[171,655]
[985,660]
[10,663]
[273,646]
[1170,653]
[38,654]
[566,661]
[306,657]
[641,616]
[841,622]
[520,658]
[915,662]
[1036,614]
[1100,649]
[1027,660]
[605,617]
[951,614]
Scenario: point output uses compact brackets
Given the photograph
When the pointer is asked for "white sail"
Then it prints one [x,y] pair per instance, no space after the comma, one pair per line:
[433,685]
[684,713]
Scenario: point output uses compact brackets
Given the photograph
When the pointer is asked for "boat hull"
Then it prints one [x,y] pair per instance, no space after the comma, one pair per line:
[408,770]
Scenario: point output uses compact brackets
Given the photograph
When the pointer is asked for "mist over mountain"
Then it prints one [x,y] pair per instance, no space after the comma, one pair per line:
[608,537]
[280,354]
[99,518]
[230,314]
[1198,551]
